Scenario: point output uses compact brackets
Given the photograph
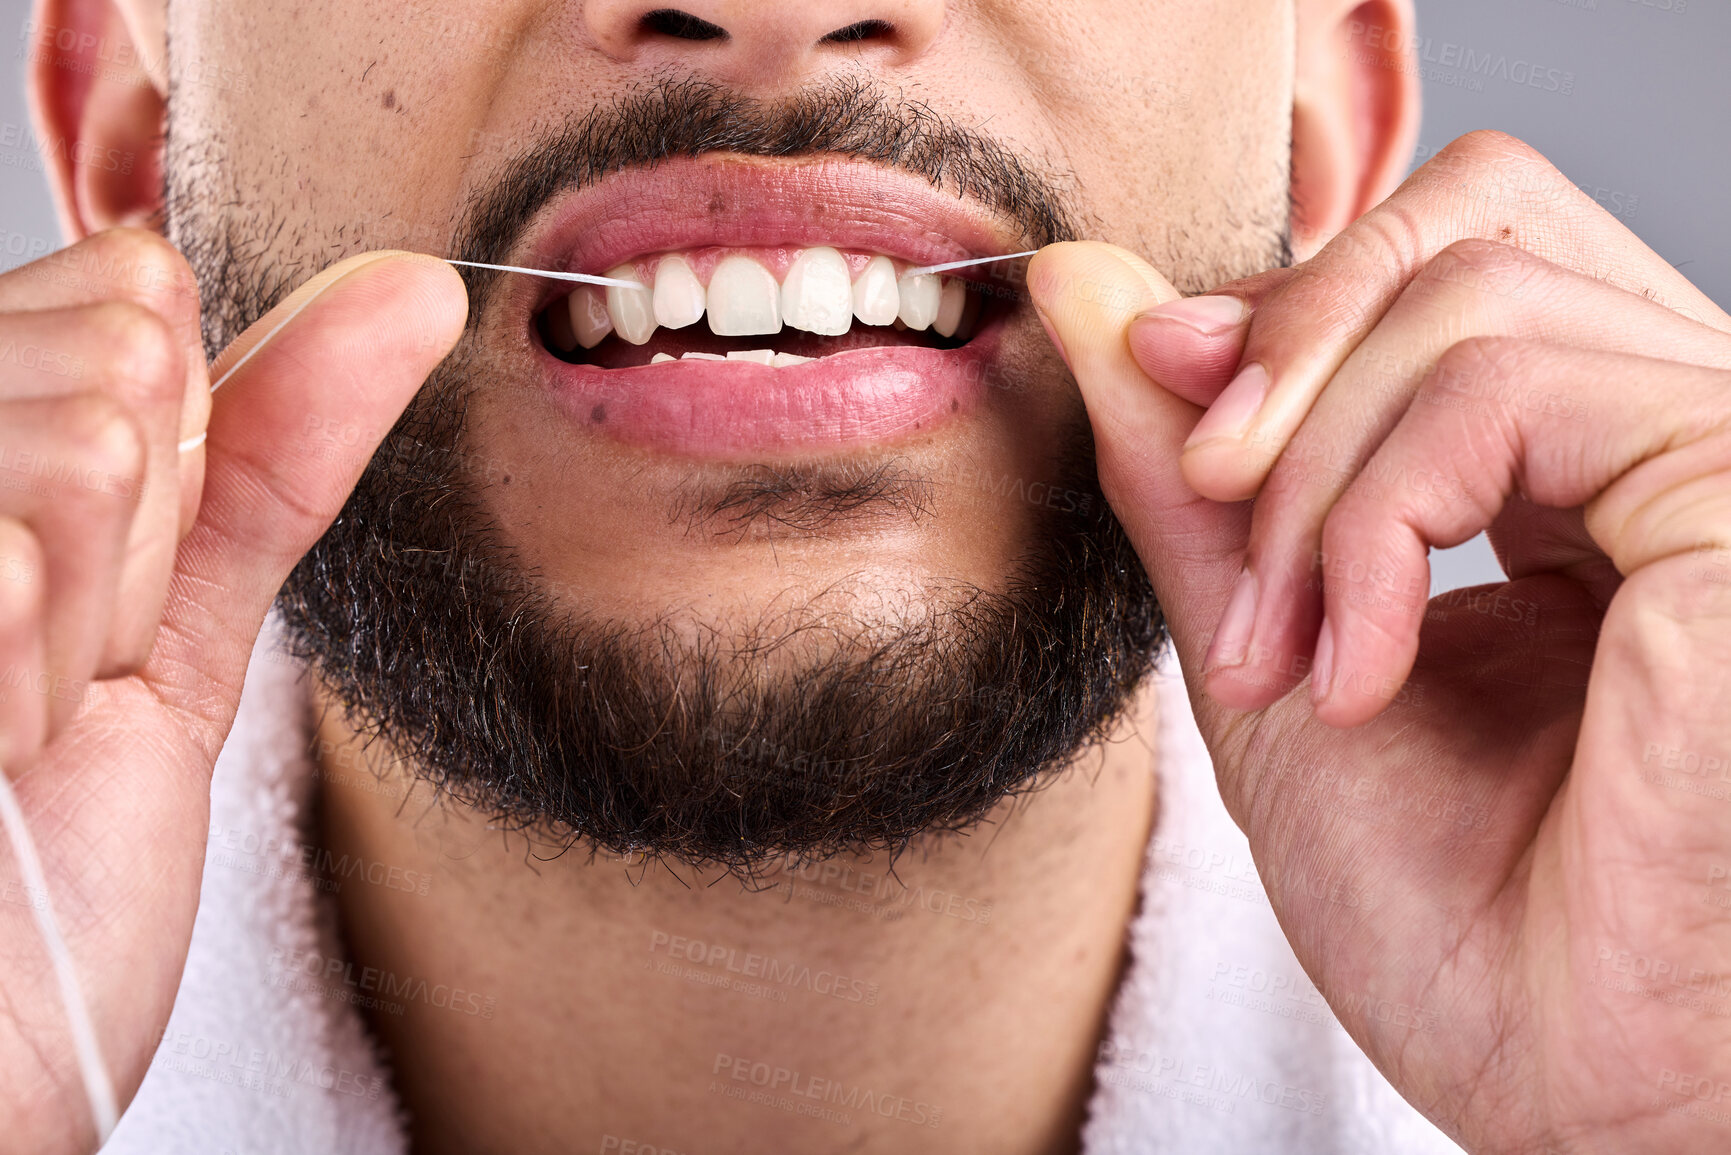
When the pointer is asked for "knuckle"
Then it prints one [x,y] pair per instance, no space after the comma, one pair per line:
[1496,174]
[134,348]
[102,433]
[141,261]
[1493,145]
[1476,268]
[1478,254]
[21,568]
[1484,358]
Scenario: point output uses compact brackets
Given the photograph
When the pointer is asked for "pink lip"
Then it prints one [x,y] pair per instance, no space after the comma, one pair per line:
[722,409]
[726,409]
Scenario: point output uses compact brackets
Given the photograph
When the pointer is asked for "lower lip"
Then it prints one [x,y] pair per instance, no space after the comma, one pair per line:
[716,409]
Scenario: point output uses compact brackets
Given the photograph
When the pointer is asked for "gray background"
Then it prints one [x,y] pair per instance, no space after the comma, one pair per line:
[1644,129]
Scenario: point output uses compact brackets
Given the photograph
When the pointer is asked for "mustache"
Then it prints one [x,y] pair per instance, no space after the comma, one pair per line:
[854,118]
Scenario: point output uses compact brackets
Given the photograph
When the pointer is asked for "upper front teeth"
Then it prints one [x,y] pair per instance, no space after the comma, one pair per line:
[633,312]
[876,301]
[743,299]
[817,295]
[679,297]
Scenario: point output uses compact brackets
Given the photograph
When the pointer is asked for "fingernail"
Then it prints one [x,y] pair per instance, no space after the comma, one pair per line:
[1057,343]
[1232,638]
[1322,665]
[1230,416]
[1209,316]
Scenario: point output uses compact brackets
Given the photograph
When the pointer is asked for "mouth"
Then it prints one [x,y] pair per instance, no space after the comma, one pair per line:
[776,310]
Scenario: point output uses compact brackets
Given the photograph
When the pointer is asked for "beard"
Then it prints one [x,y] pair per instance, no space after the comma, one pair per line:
[740,747]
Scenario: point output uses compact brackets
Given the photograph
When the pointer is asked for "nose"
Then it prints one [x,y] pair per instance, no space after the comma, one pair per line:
[764,43]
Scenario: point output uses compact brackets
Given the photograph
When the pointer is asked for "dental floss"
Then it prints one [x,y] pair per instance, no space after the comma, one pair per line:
[948,265]
[585,278]
[591,279]
[98,1087]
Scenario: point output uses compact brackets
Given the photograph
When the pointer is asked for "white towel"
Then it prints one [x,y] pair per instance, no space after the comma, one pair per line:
[1217,1042]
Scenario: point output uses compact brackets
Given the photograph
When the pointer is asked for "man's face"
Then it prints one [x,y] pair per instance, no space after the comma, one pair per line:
[727,610]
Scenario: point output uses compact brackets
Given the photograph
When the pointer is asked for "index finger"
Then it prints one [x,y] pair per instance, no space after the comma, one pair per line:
[141,267]
[1484,186]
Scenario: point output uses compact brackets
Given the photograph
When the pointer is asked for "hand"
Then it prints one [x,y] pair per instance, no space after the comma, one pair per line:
[1495,825]
[134,577]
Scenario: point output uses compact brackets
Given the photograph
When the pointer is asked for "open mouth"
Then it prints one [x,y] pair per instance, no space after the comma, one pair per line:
[777,308]
[772,306]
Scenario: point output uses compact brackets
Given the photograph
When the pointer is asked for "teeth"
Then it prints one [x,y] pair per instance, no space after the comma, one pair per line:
[633,312]
[701,357]
[679,295]
[875,299]
[660,358]
[951,302]
[744,300]
[761,356]
[816,295]
[920,297]
[589,318]
[783,360]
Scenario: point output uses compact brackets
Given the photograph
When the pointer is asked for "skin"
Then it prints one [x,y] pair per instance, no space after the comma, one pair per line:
[1610,525]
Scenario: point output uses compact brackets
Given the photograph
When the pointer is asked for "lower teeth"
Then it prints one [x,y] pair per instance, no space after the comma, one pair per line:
[760,356]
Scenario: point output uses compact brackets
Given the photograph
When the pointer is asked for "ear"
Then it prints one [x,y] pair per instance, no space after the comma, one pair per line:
[1355,112]
[97,101]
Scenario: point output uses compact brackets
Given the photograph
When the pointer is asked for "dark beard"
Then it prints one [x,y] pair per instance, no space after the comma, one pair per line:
[662,740]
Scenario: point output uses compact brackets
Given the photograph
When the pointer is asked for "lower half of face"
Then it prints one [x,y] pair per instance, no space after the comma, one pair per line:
[790,550]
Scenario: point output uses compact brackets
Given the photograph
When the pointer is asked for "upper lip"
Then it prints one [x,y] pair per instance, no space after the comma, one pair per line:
[756,202]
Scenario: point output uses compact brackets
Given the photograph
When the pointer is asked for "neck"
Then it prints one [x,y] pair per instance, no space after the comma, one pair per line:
[587,1003]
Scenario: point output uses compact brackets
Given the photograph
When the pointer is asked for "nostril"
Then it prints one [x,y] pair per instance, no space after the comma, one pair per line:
[682,25]
[861,30]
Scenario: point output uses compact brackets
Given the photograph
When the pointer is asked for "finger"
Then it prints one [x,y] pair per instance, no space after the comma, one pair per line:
[350,347]
[1087,294]
[1192,346]
[85,455]
[128,354]
[1650,469]
[23,711]
[140,267]
[1485,186]
[1473,289]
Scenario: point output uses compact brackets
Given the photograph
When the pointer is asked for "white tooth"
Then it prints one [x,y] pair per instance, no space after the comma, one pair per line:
[919,299]
[875,299]
[662,358]
[951,302]
[589,319]
[783,360]
[679,294]
[744,300]
[633,315]
[761,356]
[701,357]
[816,295]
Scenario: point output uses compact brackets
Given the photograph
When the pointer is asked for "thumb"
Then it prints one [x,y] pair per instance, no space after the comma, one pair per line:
[1087,294]
[302,400]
